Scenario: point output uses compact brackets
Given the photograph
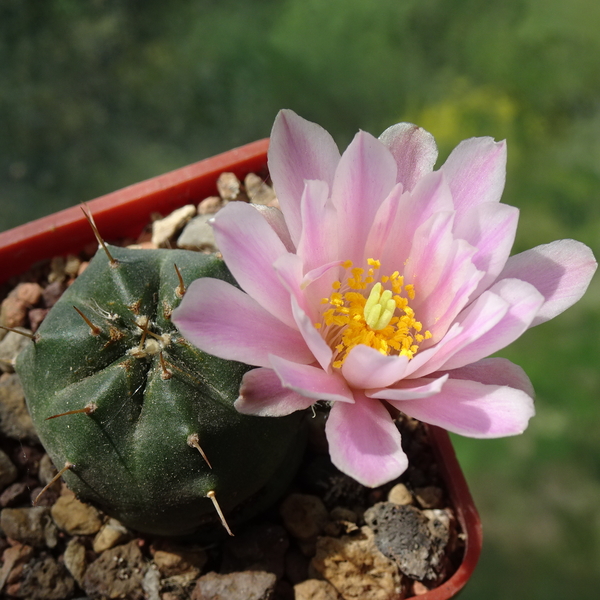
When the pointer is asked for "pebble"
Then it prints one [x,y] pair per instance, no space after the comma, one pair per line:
[400,494]
[151,583]
[52,292]
[13,312]
[210,205]
[36,316]
[75,517]
[260,548]
[30,293]
[356,568]
[46,470]
[11,558]
[14,494]
[229,187]
[117,573]
[111,534]
[249,585]
[405,535]
[175,560]
[315,589]
[57,270]
[30,525]
[430,496]
[10,347]
[43,579]
[304,516]
[75,559]
[164,229]
[15,421]
[258,191]
[198,234]
[8,471]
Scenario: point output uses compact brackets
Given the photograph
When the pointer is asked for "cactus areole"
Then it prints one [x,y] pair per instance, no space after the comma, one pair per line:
[146,424]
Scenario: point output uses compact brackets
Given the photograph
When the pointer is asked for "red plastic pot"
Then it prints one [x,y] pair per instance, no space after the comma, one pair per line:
[126,212]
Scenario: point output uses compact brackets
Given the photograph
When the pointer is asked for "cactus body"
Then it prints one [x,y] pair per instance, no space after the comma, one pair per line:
[149,395]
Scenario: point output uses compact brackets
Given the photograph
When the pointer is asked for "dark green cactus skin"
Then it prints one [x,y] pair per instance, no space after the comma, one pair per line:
[131,456]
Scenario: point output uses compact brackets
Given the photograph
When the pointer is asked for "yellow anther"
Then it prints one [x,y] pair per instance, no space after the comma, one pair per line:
[383,321]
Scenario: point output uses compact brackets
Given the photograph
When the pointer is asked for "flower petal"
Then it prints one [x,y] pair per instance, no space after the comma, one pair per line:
[364,177]
[496,371]
[222,320]
[491,228]
[318,240]
[262,394]
[250,247]
[561,271]
[473,322]
[311,381]
[476,171]
[524,303]
[312,338]
[474,409]
[414,150]
[274,217]
[299,150]
[366,368]
[409,389]
[364,442]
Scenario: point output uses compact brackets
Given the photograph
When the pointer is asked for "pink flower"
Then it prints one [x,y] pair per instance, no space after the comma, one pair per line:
[381,282]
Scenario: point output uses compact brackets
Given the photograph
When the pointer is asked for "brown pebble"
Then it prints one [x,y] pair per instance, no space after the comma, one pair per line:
[257,585]
[229,186]
[30,293]
[13,312]
[52,293]
[400,494]
[75,517]
[210,205]
[36,316]
[430,496]
[315,589]
[304,516]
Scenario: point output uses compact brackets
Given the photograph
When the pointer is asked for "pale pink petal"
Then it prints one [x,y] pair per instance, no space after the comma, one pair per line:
[524,303]
[409,389]
[312,338]
[299,150]
[431,195]
[312,381]
[365,368]
[364,442]
[474,409]
[414,150]
[473,322]
[495,371]
[319,238]
[222,320]
[364,177]
[561,271]
[490,228]
[476,171]
[383,225]
[262,394]
[274,217]
[250,247]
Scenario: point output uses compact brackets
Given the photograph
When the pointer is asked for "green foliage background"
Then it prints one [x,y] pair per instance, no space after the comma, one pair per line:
[96,95]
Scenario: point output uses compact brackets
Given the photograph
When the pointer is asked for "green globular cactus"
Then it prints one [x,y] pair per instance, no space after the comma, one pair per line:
[144,422]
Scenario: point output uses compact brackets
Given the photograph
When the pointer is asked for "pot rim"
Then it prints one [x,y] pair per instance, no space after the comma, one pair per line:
[126,212]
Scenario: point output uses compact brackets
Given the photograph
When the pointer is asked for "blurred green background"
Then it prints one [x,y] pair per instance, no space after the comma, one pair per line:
[99,94]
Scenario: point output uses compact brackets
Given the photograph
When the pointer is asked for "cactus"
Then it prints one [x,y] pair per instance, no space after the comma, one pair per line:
[142,421]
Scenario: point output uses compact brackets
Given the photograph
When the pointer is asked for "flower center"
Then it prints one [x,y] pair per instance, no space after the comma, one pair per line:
[382,320]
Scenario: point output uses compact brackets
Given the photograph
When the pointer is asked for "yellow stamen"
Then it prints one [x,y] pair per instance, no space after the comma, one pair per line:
[382,320]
